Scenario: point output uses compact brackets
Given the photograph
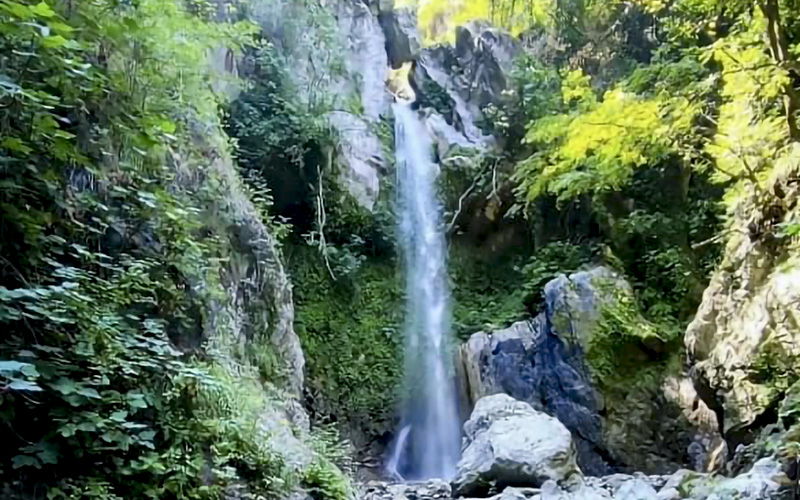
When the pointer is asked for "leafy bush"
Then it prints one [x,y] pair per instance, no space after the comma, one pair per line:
[106,264]
[351,334]
[486,294]
[551,260]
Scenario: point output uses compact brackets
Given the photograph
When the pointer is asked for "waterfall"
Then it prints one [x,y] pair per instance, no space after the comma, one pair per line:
[428,442]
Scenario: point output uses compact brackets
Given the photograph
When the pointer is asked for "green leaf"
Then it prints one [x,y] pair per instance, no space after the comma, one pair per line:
[86,427]
[29,370]
[48,455]
[65,386]
[167,127]
[43,10]
[53,42]
[23,385]
[147,435]
[8,86]
[20,461]
[60,27]
[119,416]
[12,366]
[89,393]
[17,9]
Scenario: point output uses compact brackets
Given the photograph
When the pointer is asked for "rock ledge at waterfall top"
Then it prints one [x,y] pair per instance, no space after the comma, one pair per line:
[509,443]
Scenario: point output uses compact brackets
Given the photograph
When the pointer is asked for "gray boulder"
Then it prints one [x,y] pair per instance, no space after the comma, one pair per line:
[542,362]
[507,442]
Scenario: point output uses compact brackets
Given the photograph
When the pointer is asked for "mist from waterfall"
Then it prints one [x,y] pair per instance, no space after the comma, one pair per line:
[427,444]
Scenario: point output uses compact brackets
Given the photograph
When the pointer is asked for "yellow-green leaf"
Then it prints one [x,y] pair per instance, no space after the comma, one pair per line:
[43,10]
[60,27]
[53,42]
[17,9]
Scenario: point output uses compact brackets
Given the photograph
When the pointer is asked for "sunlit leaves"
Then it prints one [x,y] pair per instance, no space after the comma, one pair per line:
[596,148]
[751,125]
[438,19]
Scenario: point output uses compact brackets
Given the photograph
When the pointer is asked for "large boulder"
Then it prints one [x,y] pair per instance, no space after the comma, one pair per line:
[615,418]
[540,362]
[507,442]
[746,335]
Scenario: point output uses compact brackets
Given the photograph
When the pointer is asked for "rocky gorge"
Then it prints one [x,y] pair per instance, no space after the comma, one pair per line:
[205,273]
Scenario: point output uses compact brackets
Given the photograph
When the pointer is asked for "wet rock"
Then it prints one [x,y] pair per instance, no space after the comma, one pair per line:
[458,82]
[433,489]
[708,450]
[507,442]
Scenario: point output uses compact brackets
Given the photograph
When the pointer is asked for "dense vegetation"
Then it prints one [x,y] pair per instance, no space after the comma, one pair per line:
[628,141]
[110,257]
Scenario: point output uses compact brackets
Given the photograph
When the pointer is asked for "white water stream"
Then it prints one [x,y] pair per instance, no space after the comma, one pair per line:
[428,442]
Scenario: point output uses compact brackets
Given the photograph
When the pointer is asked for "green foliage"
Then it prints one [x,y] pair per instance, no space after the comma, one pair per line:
[105,262]
[487,294]
[351,331]
[551,260]
[273,129]
[436,97]
[533,92]
[618,348]
[597,145]
[439,19]
[324,481]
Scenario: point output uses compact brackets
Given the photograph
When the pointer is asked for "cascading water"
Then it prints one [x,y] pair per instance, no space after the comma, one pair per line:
[428,442]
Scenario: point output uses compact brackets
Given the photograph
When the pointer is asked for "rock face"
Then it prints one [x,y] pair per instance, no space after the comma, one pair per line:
[400,29]
[531,361]
[543,362]
[507,442]
[359,157]
[258,309]
[457,82]
[338,62]
[749,318]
